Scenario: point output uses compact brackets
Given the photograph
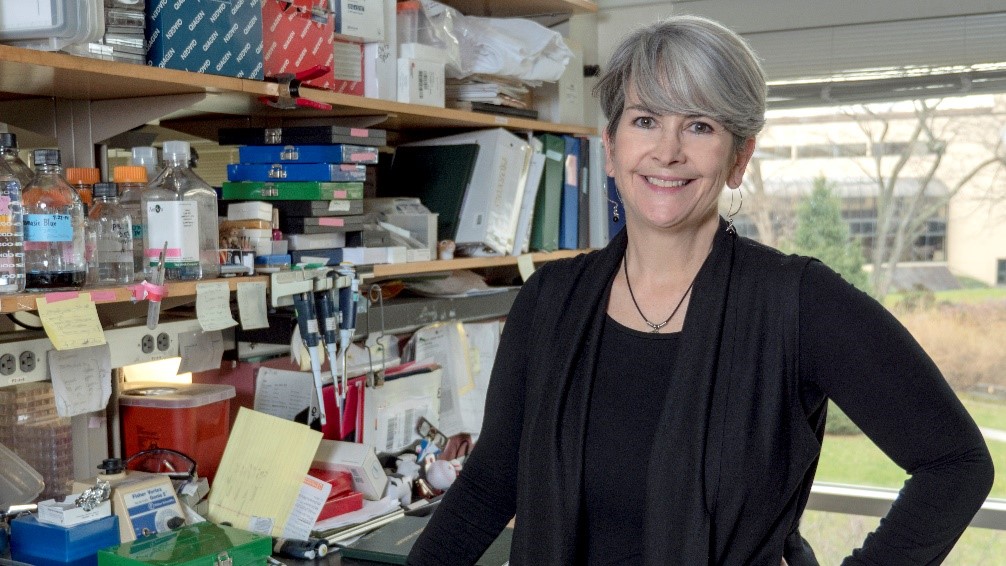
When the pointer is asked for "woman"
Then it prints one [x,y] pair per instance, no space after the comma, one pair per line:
[662,401]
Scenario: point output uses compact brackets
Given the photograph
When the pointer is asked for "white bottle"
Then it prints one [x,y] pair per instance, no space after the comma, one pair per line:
[180,216]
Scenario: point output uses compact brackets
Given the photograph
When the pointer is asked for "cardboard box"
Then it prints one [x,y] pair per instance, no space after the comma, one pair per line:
[358,459]
[380,59]
[360,20]
[295,40]
[253,210]
[220,38]
[66,514]
[421,82]
[348,71]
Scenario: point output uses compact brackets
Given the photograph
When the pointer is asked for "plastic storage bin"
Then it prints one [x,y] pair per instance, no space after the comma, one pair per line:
[191,418]
[202,544]
[40,544]
[19,482]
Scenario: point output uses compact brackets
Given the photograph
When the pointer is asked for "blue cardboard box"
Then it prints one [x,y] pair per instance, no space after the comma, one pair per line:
[220,37]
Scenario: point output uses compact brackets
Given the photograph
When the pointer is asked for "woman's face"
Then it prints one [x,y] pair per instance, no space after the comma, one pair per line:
[670,169]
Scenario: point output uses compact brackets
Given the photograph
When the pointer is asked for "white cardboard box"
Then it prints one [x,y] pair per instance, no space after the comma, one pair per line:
[380,59]
[361,20]
[421,82]
[360,460]
[252,210]
[66,514]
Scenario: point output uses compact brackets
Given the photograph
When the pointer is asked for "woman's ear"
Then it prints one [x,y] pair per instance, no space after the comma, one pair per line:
[741,160]
[609,167]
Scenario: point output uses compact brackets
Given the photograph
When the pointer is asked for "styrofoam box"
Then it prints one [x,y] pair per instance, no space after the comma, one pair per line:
[421,82]
[253,210]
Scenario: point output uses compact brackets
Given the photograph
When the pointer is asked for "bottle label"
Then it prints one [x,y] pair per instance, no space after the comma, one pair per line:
[48,228]
[177,224]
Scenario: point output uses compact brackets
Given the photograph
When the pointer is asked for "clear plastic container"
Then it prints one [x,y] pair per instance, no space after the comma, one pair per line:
[180,215]
[132,180]
[145,156]
[11,232]
[114,237]
[19,483]
[408,15]
[54,251]
[8,149]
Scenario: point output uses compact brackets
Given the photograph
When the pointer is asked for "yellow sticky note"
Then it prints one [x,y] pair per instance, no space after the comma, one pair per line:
[213,306]
[71,323]
[261,472]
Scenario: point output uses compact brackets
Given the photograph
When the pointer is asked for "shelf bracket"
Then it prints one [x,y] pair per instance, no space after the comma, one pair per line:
[77,125]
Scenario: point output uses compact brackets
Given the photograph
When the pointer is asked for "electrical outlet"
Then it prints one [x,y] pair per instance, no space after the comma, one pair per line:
[163,342]
[147,344]
[8,364]
[26,361]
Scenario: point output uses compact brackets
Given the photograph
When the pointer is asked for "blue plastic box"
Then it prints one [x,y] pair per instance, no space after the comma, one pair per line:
[334,153]
[41,544]
[219,37]
[326,172]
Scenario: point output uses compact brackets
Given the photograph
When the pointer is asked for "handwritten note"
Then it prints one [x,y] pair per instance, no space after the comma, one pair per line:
[283,393]
[312,497]
[200,351]
[213,306]
[71,323]
[251,305]
[261,472]
[81,379]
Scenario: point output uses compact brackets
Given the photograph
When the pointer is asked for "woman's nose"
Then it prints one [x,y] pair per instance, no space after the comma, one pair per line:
[667,147]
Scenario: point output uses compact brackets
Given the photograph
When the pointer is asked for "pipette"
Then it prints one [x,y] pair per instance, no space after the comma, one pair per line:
[154,295]
[347,309]
[308,325]
[328,319]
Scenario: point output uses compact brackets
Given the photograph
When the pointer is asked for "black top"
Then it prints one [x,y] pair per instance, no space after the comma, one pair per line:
[750,463]
[628,394]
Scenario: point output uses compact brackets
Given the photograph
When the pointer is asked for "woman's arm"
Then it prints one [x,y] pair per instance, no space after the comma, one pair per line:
[482,500]
[861,357]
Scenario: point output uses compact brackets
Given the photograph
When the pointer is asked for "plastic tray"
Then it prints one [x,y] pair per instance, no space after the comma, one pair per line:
[19,482]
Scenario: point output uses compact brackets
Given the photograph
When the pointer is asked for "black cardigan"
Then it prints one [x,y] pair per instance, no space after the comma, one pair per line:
[732,473]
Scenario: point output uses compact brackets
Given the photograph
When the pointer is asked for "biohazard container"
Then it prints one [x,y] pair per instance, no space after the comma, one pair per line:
[192,418]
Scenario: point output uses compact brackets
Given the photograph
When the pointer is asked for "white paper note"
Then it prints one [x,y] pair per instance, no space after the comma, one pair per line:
[251,305]
[283,393]
[213,306]
[200,351]
[310,500]
[81,379]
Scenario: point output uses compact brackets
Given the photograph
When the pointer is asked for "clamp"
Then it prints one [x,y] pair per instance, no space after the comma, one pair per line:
[289,90]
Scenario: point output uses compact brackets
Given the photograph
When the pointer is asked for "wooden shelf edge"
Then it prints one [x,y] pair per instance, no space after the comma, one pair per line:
[121,294]
[391,270]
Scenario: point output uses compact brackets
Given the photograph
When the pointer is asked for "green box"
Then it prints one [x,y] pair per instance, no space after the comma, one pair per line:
[202,544]
[291,190]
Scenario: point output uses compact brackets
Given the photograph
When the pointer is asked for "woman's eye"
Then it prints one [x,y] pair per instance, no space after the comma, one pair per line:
[701,128]
[644,122]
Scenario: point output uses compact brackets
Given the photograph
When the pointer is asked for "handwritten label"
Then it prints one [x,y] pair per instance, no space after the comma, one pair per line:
[338,206]
[200,351]
[48,228]
[81,379]
[213,306]
[252,306]
[71,323]
[310,500]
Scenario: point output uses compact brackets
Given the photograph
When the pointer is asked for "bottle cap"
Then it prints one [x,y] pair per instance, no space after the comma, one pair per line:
[130,173]
[106,189]
[82,175]
[45,157]
[8,139]
[141,155]
[408,6]
[176,150]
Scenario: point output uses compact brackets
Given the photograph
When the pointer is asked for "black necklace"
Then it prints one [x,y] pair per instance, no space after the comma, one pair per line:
[654,328]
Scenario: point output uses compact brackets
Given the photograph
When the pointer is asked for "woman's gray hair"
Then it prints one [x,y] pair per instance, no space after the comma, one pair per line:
[690,66]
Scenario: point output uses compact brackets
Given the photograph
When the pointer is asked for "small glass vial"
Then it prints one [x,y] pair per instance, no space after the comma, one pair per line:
[53,228]
[114,234]
[180,210]
[11,232]
[132,181]
[8,151]
[83,179]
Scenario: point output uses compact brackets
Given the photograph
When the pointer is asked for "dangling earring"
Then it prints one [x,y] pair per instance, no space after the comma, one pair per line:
[615,217]
[731,213]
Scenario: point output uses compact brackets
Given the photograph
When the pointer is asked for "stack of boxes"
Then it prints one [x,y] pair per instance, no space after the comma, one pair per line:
[315,178]
[124,25]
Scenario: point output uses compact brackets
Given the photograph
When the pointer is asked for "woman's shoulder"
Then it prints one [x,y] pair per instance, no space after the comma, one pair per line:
[759,256]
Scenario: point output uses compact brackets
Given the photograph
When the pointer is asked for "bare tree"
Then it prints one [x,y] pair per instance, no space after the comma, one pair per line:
[902,216]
